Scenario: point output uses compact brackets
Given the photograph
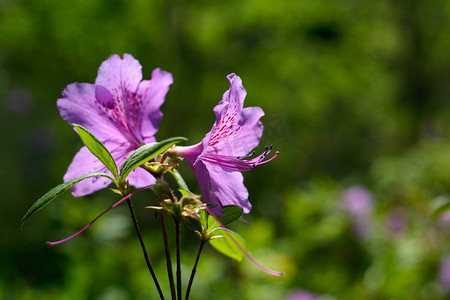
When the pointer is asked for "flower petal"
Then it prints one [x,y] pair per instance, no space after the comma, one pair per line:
[151,93]
[204,181]
[241,141]
[232,100]
[227,112]
[228,188]
[78,106]
[140,178]
[120,76]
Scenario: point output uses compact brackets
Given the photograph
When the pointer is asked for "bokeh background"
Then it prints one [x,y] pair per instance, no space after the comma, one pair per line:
[356,96]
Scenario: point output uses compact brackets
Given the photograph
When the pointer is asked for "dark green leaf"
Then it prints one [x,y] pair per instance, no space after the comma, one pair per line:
[145,153]
[223,243]
[97,148]
[56,192]
[232,213]
[193,225]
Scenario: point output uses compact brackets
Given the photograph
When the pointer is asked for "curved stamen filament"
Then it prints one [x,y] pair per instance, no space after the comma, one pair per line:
[235,163]
[96,218]
[267,270]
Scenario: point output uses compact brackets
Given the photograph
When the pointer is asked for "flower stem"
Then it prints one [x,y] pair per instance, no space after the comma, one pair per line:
[168,258]
[177,237]
[144,250]
[194,269]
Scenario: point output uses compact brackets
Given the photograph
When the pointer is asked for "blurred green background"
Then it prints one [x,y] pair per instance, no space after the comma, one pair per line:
[356,96]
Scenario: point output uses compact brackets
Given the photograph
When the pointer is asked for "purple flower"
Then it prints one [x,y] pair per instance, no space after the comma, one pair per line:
[396,221]
[122,111]
[301,295]
[358,203]
[217,161]
[444,274]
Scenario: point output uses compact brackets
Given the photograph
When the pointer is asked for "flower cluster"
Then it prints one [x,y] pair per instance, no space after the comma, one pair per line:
[117,118]
[123,112]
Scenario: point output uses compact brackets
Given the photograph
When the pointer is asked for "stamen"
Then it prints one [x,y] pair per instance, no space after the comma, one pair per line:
[236,163]
[96,218]
[267,270]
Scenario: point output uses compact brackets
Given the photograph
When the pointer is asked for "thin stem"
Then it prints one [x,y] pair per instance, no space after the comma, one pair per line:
[168,258]
[194,269]
[144,250]
[181,183]
[177,237]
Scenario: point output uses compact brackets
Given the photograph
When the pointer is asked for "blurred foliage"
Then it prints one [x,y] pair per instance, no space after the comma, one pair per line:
[355,94]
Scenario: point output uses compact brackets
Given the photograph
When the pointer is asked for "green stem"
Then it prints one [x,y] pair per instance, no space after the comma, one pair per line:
[177,237]
[181,183]
[144,250]
[168,258]
[194,269]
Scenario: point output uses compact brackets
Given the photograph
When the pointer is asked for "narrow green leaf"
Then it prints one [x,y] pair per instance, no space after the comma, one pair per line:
[145,153]
[184,192]
[97,148]
[56,192]
[441,209]
[225,245]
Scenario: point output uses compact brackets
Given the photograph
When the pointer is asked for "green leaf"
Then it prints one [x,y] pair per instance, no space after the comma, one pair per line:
[193,225]
[226,246]
[441,209]
[184,192]
[97,148]
[56,192]
[232,213]
[145,153]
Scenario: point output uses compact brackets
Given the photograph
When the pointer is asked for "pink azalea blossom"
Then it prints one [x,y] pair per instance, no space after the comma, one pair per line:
[217,161]
[121,110]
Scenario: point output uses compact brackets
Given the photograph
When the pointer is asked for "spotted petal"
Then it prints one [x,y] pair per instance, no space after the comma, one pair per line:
[78,107]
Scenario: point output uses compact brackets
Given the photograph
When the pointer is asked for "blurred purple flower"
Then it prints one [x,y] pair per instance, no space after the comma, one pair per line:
[444,274]
[396,221]
[19,101]
[301,295]
[217,161]
[445,218]
[358,203]
[42,138]
[122,111]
